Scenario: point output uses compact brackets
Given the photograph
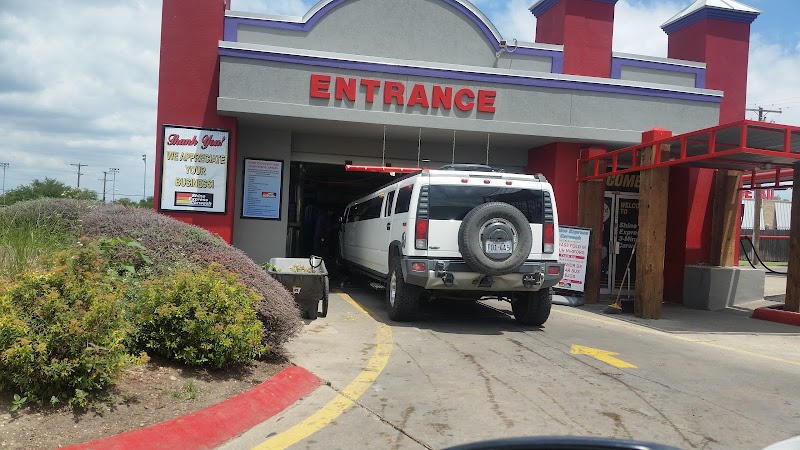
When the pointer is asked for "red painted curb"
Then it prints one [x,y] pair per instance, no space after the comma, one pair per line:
[777,315]
[210,427]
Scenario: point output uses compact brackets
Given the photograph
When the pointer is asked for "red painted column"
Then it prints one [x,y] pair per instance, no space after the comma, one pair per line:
[188,87]
[584,27]
[558,163]
[721,40]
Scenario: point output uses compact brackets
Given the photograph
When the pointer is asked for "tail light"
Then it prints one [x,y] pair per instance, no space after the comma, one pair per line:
[421,235]
[553,270]
[549,238]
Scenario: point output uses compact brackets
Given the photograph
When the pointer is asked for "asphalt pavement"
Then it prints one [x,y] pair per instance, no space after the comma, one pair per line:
[466,372]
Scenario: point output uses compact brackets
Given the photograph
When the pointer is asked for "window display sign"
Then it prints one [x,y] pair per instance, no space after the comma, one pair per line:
[194,169]
[574,251]
[263,182]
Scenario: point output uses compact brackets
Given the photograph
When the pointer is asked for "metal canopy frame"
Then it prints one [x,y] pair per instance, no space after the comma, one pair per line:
[767,151]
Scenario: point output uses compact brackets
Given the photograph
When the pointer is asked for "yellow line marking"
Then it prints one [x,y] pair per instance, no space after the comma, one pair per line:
[601,355]
[346,398]
[643,329]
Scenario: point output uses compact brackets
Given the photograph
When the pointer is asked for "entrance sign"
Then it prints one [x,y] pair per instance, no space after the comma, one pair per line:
[261,194]
[574,251]
[194,170]
[394,92]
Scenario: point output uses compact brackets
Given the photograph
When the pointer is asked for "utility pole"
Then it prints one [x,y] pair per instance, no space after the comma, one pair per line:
[762,113]
[114,184]
[4,166]
[144,180]
[79,165]
[757,200]
[104,180]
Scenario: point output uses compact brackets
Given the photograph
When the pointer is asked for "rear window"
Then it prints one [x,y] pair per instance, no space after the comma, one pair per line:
[454,202]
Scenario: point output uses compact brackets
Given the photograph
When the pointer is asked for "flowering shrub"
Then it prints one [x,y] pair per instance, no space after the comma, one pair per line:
[62,330]
[197,316]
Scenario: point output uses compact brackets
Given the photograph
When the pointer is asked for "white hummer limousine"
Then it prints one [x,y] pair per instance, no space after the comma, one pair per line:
[463,231]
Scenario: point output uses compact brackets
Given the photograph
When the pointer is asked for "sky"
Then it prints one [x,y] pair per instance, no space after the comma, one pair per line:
[79,78]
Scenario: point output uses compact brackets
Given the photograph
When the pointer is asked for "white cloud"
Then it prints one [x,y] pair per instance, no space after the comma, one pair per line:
[773,80]
[81,88]
[79,79]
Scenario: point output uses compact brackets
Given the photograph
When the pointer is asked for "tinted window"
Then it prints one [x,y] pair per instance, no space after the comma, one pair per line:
[388,209]
[353,213]
[403,199]
[454,202]
[370,209]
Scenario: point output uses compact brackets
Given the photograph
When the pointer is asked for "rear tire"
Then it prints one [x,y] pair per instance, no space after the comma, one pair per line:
[402,299]
[532,308]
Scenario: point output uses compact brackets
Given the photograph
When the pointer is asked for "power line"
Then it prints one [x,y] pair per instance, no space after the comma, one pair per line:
[79,165]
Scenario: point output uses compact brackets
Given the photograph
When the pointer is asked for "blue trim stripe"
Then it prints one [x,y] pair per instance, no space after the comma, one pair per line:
[710,13]
[452,74]
[542,7]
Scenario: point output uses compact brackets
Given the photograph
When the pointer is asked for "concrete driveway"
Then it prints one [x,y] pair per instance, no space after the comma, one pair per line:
[468,372]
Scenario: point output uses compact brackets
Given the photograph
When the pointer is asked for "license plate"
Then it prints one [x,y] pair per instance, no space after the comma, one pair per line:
[498,247]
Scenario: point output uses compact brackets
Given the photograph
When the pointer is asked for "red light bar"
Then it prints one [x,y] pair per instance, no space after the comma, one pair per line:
[381,169]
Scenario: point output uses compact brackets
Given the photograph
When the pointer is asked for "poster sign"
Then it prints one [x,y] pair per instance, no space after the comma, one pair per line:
[194,169]
[574,250]
[263,180]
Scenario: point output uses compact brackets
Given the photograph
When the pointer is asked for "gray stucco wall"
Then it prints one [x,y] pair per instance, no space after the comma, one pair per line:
[401,153]
[261,239]
[658,76]
[249,86]
[421,30]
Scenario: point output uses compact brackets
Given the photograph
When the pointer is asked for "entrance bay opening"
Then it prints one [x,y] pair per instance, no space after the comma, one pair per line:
[318,195]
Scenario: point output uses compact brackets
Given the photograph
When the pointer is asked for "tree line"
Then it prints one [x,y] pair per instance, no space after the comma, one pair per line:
[50,188]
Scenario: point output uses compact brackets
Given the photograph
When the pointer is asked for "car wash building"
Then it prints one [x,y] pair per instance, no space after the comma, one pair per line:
[259,115]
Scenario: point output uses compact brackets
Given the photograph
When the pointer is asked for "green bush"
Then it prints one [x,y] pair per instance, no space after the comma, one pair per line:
[62,330]
[197,316]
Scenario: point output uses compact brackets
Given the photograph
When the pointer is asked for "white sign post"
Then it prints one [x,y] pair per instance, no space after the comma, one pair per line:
[194,170]
[574,243]
[261,198]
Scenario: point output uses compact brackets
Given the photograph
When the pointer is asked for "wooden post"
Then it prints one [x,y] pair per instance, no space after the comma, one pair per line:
[793,271]
[590,215]
[653,199]
[724,248]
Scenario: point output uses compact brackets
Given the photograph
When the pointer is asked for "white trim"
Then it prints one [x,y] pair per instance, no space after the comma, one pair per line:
[323,3]
[656,59]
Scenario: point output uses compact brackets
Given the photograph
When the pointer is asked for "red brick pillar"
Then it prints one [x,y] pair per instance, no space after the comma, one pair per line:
[558,162]
[720,38]
[188,87]
[584,27]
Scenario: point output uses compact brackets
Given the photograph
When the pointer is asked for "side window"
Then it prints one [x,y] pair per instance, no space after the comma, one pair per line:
[371,209]
[403,199]
[388,210]
[353,216]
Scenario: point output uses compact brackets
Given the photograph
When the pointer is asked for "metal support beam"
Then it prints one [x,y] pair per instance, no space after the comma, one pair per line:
[793,272]
[653,199]
[724,248]
[590,215]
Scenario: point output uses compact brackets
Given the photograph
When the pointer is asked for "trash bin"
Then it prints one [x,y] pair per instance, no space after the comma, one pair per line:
[308,287]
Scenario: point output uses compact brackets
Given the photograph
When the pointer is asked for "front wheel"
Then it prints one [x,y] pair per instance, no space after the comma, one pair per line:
[402,299]
[532,308]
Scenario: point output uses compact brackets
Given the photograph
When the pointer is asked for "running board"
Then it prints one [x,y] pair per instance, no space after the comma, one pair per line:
[377,286]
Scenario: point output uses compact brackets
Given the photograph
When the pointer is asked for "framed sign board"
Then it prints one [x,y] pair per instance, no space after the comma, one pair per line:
[262,189]
[194,170]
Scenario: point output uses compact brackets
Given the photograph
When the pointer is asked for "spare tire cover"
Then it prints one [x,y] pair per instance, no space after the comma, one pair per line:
[495,238]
